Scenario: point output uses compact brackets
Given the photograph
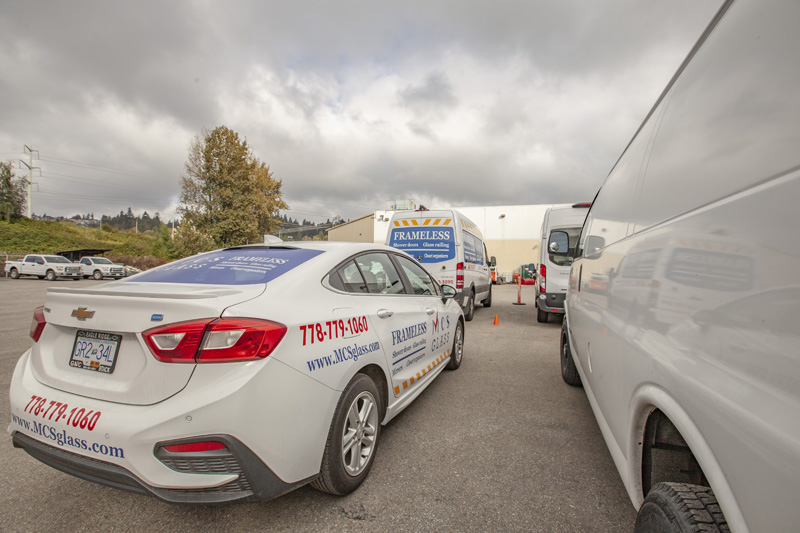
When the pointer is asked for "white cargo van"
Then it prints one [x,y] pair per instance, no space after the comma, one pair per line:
[554,268]
[452,249]
[683,309]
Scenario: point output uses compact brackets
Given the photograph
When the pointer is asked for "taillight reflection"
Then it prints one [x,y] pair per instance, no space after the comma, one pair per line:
[214,340]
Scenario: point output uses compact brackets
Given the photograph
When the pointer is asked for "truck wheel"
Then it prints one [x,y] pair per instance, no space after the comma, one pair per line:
[352,439]
[678,507]
[458,348]
[470,312]
[14,274]
[488,301]
[541,316]
[97,275]
[50,275]
[569,372]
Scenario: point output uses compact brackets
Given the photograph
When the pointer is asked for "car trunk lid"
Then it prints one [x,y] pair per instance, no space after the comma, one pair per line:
[114,316]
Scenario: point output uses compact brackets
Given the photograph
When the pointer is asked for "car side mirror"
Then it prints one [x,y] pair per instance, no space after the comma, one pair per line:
[493,261]
[448,292]
[559,243]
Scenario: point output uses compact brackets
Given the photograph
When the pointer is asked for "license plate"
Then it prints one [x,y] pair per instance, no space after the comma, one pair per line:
[95,350]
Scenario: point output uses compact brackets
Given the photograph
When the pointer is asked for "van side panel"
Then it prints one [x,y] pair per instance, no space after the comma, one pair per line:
[703,299]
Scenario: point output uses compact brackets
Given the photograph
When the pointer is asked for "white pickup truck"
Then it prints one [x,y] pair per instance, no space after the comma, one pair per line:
[47,267]
[100,267]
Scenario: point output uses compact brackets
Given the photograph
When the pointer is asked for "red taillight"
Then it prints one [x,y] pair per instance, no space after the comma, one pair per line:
[194,447]
[460,276]
[240,339]
[37,324]
[177,343]
[212,340]
[542,278]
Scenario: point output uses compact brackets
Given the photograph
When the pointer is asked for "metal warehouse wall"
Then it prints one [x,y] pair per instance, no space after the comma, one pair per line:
[358,230]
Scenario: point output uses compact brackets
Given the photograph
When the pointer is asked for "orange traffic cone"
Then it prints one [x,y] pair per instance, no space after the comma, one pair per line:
[496,321]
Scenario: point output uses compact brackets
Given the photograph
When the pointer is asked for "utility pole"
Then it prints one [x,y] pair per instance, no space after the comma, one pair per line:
[29,151]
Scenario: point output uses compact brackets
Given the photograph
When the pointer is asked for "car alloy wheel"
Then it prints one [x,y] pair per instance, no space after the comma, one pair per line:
[358,433]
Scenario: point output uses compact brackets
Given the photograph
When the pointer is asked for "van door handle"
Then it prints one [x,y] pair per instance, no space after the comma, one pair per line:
[430,311]
[384,313]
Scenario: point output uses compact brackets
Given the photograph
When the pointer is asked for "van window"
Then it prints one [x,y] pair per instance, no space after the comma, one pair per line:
[473,248]
[565,260]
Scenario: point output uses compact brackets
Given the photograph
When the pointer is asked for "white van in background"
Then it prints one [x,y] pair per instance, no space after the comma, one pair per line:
[451,247]
[553,276]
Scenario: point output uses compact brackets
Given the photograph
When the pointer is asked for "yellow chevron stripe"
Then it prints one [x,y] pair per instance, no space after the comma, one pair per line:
[414,379]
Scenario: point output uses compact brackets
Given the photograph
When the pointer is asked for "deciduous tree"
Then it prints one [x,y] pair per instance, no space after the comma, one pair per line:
[226,192]
[12,193]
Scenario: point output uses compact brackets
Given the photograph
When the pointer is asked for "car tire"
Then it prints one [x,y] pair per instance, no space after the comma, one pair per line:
[488,301]
[14,274]
[470,312]
[343,470]
[569,372]
[50,275]
[542,316]
[457,352]
[679,507]
[97,275]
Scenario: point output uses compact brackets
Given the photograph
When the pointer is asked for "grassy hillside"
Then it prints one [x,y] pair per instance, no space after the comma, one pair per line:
[34,236]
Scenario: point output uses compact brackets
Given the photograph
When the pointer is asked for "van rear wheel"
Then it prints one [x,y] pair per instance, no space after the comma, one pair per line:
[541,316]
[569,372]
[678,507]
[470,312]
[488,301]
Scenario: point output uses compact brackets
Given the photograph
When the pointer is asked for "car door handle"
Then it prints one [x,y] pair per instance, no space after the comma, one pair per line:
[384,313]
[430,311]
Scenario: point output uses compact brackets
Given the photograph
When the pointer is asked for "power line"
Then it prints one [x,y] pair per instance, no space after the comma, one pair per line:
[68,162]
[98,183]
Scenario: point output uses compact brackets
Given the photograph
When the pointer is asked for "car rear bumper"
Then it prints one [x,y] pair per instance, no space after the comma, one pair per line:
[254,481]
[254,413]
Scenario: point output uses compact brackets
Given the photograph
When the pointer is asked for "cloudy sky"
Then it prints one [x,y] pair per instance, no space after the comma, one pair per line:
[353,104]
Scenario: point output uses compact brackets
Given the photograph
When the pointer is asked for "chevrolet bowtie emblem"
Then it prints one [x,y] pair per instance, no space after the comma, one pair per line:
[82,314]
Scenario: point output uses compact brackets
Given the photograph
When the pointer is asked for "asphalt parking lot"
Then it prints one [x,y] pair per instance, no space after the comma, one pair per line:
[501,444]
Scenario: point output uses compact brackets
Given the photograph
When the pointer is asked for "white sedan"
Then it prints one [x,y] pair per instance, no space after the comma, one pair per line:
[236,374]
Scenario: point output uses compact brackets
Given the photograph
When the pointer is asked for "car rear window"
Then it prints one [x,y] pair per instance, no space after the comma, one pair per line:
[230,267]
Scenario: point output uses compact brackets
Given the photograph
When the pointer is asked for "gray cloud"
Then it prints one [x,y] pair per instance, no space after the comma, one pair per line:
[352,104]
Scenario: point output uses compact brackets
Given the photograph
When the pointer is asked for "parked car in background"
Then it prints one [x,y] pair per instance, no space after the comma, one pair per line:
[101,267]
[49,267]
[237,374]
[683,310]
